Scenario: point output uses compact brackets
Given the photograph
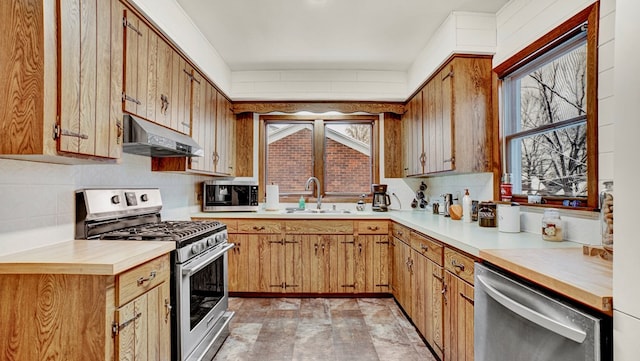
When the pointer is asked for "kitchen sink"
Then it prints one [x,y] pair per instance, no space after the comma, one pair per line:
[318,211]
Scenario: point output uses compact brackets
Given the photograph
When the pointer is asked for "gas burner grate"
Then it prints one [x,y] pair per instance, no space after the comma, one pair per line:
[163,231]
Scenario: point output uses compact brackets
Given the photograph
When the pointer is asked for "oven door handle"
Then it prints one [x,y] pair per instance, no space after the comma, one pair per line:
[536,317]
[188,271]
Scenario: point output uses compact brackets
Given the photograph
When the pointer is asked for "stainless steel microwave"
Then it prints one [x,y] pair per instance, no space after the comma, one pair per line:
[229,196]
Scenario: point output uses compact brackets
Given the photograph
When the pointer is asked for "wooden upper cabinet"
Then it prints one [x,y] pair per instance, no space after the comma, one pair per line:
[447,123]
[61,75]
[157,83]
[224,154]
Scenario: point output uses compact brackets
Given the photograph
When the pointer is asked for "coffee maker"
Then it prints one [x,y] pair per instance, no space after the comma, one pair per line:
[381,200]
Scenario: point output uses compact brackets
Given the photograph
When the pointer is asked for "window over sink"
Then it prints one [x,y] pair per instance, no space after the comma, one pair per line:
[339,150]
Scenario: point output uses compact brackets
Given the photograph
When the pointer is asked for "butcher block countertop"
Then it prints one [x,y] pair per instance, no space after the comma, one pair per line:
[84,257]
[583,278]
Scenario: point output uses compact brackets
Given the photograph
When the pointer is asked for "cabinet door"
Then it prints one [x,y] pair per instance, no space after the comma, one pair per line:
[373,261]
[316,263]
[265,261]
[420,283]
[346,263]
[203,123]
[183,73]
[89,122]
[412,125]
[223,154]
[446,162]
[458,319]
[292,264]
[137,71]
[164,96]
[238,263]
[435,312]
[402,274]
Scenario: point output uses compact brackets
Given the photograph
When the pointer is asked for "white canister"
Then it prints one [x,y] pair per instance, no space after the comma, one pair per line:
[509,218]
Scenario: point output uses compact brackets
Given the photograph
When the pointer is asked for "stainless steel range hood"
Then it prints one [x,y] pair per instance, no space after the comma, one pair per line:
[143,137]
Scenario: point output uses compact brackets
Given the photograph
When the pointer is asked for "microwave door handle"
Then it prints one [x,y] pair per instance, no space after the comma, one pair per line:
[189,271]
[536,317]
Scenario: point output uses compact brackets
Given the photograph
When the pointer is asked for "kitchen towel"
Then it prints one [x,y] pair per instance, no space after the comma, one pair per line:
[273,198]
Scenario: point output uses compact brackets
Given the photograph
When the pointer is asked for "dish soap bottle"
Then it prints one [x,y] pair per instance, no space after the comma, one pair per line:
[466,206]
[301,203]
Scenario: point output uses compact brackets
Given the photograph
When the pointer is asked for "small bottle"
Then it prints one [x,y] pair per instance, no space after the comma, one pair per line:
[466,207]
[301,203]
[551,225]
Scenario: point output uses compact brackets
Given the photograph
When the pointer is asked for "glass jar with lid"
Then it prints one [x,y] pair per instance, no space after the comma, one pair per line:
[551,225]
[606,216]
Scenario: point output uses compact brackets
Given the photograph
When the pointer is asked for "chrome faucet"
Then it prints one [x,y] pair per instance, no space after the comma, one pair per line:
[318,195]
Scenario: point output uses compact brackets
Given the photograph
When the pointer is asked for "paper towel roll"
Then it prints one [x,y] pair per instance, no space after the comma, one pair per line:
[273,198]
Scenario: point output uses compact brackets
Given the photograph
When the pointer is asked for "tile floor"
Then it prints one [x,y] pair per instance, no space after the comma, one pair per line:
[336,329]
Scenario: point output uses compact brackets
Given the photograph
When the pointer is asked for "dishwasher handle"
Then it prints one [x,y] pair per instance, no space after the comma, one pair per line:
[536,317]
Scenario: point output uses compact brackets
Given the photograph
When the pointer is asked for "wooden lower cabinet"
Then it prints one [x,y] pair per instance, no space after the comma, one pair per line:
[87,317]
[458,306]
[426,305]
[402,274]
[309,256]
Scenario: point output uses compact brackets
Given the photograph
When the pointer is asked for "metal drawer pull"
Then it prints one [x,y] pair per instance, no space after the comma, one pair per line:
[424,247]
[467,298]
[457,265]
[258,228]
[115,328]
[373,228]
[127,24]
[128,98]
[142,280]
[536,317]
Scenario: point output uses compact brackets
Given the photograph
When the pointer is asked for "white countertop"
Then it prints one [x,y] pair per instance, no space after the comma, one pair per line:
[467,237]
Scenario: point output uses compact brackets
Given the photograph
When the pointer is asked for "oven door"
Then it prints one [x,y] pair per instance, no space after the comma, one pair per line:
[202,297]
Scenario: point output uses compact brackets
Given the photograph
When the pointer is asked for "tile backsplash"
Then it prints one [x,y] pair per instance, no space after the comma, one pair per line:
[37,204]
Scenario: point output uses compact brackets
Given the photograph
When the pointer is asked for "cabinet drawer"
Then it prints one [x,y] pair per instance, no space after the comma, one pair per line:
[259,226]
[136,281]
[373,227]
[459,264]
[401,232]
[232,225]
[427,247]
[319,227]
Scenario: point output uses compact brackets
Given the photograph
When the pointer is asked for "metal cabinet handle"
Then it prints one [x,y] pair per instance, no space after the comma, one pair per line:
[315,246]
[457,265]
[142,280]
[167,307]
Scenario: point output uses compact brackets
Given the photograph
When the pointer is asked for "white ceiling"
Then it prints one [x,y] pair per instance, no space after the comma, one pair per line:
[323,34]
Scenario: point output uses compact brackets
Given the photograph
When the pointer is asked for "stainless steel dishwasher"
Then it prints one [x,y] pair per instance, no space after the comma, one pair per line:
[517,322]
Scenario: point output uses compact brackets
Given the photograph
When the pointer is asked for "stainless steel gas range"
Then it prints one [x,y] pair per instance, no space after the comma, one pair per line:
[199,280]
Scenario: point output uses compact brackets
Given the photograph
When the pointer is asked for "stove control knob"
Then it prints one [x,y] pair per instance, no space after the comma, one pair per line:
[144,197]
[115,199]
[220,237]
[211,241]
[195,249]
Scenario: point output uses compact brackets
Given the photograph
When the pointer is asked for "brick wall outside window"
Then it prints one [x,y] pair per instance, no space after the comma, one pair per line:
[290,160]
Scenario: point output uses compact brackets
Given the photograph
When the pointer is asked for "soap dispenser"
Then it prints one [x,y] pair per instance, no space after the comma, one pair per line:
[466,206]
[301,203]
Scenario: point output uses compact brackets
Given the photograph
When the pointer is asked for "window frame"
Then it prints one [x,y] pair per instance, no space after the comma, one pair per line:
[319,121]
[541,48]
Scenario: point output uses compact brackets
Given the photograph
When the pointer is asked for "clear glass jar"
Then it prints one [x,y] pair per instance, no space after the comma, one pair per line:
[551,225]
[606,216]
